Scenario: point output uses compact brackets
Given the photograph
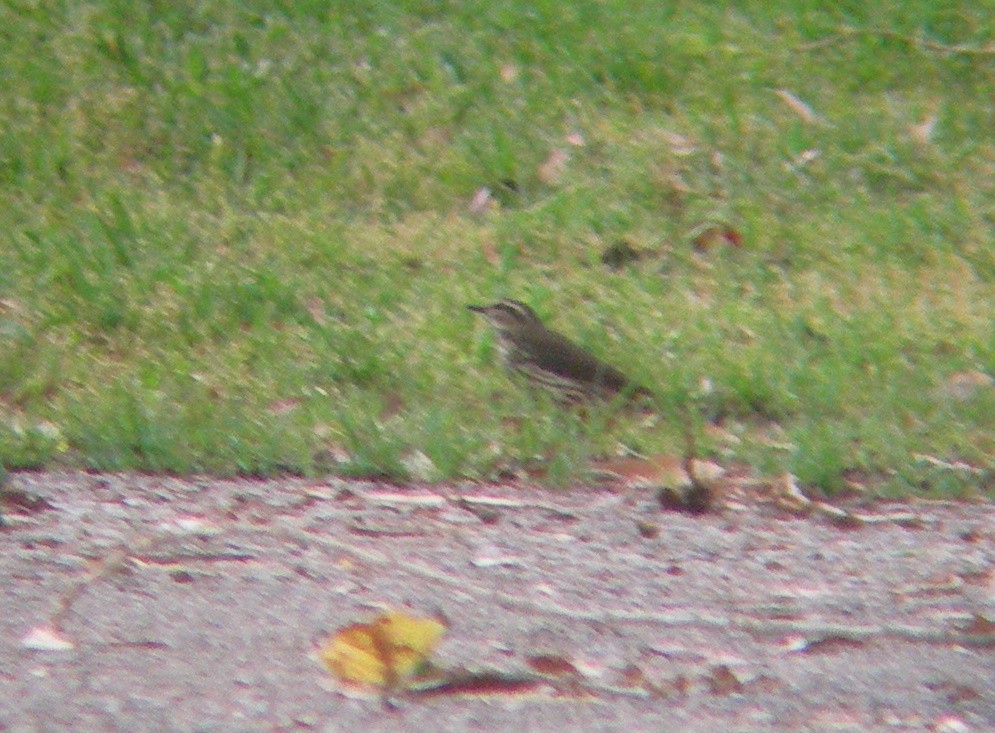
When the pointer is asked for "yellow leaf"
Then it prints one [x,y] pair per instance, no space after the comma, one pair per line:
[383,652]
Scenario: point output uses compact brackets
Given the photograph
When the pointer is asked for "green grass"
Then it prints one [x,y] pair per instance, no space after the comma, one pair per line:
[237,238]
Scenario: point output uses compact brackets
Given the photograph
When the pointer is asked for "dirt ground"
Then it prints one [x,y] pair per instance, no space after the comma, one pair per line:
[144,603]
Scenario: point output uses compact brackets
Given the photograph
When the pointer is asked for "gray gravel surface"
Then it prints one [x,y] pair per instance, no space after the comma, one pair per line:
[197,605]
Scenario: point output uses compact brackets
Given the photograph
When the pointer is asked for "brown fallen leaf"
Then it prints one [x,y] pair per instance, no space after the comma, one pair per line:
[722,681]
[955,692]
[18,500]
[552,665]
[710,236]
[633,677]
[829,644]
[980,625]
[786,493]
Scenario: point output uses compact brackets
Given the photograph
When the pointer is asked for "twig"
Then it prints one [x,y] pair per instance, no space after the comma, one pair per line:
[119,559]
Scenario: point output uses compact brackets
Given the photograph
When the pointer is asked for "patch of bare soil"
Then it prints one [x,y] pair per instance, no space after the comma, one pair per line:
[141,603]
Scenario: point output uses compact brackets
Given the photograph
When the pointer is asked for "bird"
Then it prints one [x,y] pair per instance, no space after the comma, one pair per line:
[547,359]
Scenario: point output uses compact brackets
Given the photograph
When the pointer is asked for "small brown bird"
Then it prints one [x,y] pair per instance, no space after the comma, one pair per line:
[550,360]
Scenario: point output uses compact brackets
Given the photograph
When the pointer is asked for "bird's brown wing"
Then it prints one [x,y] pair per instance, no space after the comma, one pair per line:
[556,353]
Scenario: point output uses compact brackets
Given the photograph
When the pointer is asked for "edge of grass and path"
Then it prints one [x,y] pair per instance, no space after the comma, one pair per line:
[240,239]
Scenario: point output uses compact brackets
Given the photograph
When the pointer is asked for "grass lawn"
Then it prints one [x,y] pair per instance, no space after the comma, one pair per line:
[240,238]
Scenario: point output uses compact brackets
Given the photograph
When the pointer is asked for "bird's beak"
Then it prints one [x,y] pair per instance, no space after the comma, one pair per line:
[476,308]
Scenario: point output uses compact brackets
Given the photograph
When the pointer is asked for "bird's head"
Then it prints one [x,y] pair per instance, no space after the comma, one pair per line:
[508,315]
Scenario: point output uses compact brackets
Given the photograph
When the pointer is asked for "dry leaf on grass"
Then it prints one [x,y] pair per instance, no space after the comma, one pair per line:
[797,106]
[679,144]
[553,168]
[482,202]
[282,407]
[803,159]
[923,132]
[710,236]
[966,385]
[509,72]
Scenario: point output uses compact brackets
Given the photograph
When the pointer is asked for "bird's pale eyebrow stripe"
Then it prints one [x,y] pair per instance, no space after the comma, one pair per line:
[519,309]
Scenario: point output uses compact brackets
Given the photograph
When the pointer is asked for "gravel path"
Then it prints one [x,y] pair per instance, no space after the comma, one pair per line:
[206,599]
